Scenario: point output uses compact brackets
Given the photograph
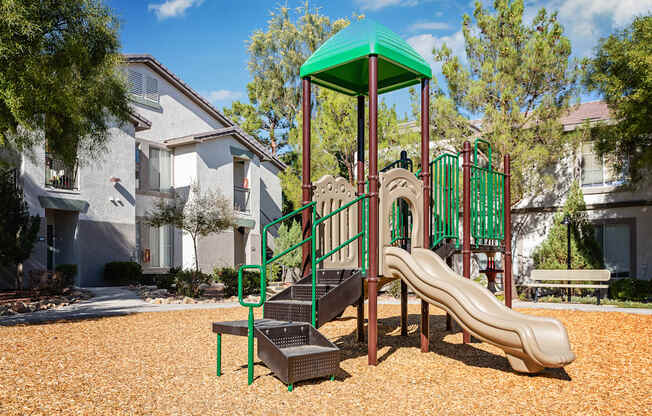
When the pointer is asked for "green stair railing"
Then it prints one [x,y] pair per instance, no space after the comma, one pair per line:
[263,267]
[487,201]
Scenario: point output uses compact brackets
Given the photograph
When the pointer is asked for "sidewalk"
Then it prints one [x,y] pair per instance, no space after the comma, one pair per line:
[117,301]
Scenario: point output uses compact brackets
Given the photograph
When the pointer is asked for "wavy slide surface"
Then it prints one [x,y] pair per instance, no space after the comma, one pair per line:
[531,343]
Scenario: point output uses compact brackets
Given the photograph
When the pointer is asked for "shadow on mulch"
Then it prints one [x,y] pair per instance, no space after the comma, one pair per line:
[389,336]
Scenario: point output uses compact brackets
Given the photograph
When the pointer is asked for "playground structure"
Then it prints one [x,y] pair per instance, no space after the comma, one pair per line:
[395,225]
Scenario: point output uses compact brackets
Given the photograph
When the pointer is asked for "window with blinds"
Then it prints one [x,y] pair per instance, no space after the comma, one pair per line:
[598,171]
[160,170]
[143,86]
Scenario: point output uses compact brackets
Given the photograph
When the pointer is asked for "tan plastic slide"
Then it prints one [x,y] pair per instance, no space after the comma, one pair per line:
[531,343]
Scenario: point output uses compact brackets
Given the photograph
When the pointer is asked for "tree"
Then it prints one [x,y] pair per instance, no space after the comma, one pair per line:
[288,235]
[622,72]
[275,56]
[18,230]
[59,75]
[585,251]
[519,79]
[199,215]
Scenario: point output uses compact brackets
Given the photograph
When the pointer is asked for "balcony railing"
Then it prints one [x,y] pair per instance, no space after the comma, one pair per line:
[241,199]
[59,175]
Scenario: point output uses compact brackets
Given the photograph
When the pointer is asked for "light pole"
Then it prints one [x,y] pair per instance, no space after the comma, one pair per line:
[567,222]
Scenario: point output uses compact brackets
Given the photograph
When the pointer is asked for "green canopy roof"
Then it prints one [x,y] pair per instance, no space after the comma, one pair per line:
[341,63]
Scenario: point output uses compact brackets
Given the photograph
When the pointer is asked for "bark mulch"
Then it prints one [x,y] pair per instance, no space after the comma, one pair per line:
[164,363]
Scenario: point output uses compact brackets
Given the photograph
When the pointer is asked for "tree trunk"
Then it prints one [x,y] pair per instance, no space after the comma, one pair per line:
[19,276]
[272,140]
[194,244]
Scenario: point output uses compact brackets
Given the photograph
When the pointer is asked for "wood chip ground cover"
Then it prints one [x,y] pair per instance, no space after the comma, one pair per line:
[164,363]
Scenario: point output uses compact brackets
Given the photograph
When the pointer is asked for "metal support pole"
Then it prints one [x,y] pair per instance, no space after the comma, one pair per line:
[361,241]
[306,185]
[449,318]
[507,263]
[466,238]
[219,355]
[372,278]
[568,254]
[425,177]
[405,230]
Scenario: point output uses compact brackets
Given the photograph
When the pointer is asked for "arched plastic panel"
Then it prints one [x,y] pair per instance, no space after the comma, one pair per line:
[394,184]
[330,194]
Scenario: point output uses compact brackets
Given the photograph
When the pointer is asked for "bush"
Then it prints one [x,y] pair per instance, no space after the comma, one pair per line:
[164,281]
[229,276]
[630,289]
[68,273]
[187,282]
[394,288]
[123,272]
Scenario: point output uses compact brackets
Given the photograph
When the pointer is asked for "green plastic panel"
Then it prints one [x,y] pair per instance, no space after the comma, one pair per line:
[341,63]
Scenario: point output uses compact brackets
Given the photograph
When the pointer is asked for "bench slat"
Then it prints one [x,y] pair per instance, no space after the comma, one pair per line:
[565,285]
[571,275]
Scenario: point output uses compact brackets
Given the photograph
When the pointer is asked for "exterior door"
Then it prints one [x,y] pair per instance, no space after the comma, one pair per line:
[50,240]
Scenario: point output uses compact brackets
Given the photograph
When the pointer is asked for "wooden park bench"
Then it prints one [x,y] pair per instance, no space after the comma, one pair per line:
[569,279]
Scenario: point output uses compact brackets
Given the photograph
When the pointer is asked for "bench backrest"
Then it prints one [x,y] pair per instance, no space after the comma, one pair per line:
[571,275]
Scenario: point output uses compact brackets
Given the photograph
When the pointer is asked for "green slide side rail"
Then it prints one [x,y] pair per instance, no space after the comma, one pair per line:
[262,268]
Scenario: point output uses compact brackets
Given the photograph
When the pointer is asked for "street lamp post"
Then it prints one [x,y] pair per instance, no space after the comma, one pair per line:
[567,222]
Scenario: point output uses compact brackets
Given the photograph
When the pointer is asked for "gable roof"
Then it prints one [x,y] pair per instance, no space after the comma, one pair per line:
[592,112]
[236,131]
[342,63]
[169,76]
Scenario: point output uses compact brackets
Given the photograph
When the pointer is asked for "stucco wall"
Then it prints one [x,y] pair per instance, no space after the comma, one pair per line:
[108,203]
[177,116]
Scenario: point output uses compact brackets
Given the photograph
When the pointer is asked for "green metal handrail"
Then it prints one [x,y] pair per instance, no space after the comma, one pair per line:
[263,283]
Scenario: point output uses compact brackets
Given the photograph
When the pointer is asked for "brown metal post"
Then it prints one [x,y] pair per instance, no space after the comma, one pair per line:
[360,174]
[372,277]
[466,238]
[425,177]
[507,263]
[306,185]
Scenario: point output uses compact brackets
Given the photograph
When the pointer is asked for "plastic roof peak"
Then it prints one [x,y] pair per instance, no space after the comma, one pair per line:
[342,64]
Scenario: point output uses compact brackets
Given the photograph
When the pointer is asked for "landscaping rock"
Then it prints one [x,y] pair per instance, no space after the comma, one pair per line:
[187,300]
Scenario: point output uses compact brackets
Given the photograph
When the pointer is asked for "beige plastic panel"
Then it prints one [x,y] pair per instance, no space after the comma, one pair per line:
[330,193]
[572,275]
[395,184]
[531,343]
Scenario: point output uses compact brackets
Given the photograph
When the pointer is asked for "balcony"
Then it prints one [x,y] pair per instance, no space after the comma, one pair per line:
[58,175]
[241,199]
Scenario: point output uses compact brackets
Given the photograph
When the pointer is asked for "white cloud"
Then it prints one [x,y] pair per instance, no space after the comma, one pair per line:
[375,5]
[424,44]
[421,26]
[222,95]
[586,21]
[172,8]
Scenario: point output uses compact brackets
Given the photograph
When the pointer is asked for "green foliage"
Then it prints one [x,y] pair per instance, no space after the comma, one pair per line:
[519,78]
[275,56]
[631,289]
[394,289]
[18,230]
[187,282]
[288,235]
[229,276]
[68,273]
[121,273]
[60,75]
[622,72]
[585,251]
[200,214]
[164,281]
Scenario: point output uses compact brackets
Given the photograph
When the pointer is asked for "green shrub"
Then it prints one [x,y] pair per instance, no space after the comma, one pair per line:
[187,282]
[394,289]
[630,289]
[229,276]
[164,281]
[123,272]
[68,273]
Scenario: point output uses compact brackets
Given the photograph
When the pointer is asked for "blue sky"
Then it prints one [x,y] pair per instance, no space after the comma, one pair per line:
[203,41]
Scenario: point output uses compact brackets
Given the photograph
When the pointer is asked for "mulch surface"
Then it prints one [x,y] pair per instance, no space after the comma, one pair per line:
[164,363]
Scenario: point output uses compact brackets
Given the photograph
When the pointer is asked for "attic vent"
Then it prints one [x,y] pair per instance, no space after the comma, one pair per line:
[135,83]
[151,92]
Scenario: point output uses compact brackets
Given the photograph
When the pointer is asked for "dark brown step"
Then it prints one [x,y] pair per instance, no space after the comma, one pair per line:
[304,291]
[288,310]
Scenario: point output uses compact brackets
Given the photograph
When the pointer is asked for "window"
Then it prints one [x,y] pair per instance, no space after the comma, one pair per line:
[615,241]
[58,174]
[241,191]
[156,245]
[143,86]
[160,170]
[598,171]
[138,165]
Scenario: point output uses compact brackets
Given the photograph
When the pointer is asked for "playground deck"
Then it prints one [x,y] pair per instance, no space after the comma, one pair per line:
[163,363]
